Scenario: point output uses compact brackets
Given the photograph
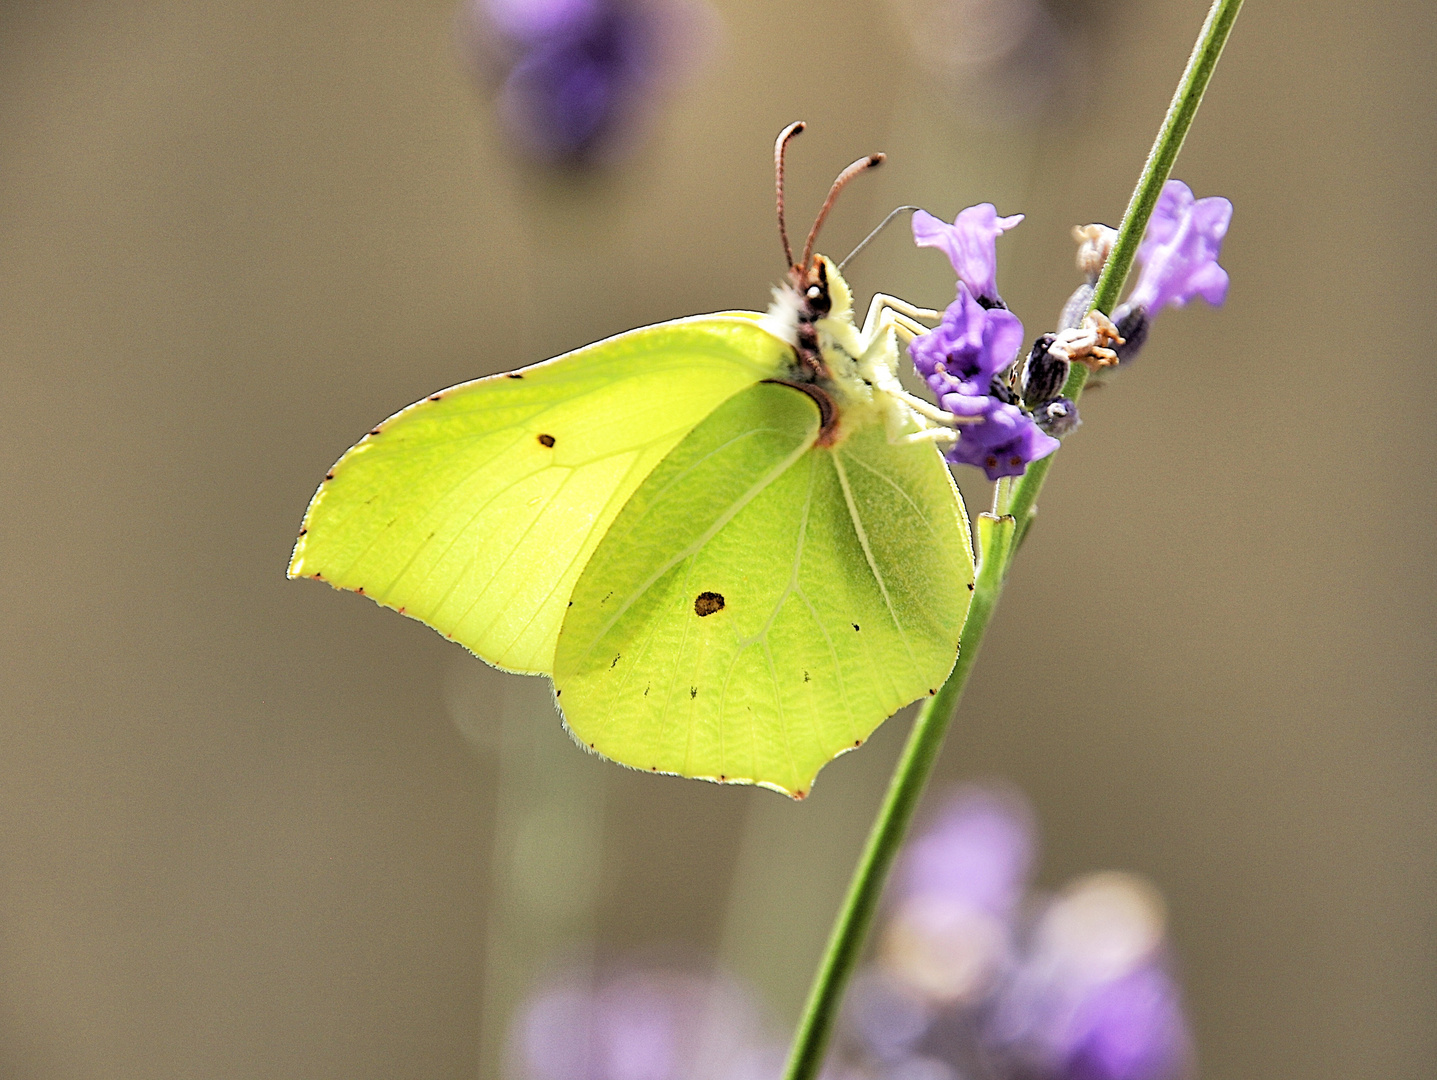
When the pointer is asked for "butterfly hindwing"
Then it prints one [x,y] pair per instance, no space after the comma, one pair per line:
[762,603]
[476,509]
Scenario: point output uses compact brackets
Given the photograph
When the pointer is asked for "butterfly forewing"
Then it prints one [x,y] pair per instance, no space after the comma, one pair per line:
[476,509]
[761,604]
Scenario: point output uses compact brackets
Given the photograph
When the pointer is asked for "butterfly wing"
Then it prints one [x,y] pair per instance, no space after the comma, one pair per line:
[762,604]
[475,509]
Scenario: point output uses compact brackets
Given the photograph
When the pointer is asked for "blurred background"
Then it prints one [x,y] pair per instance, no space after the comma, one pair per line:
[256,828]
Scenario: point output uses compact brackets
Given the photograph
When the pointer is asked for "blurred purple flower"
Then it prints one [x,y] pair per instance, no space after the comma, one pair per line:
[1075,987]
[1180,249]
[641,1025]
[1092,998]
[971,244]
[979,850]
[574,74]
[968,348]
[957,887]
[888,1014]
[1129,1029]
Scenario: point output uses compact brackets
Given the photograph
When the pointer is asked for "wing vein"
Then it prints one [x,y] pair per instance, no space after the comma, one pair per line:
[918,510]
[862,534]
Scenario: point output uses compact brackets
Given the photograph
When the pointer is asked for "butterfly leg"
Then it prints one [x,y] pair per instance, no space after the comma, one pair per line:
[889,322]
[941,436]
[929,411]
[878,366]
[886,311]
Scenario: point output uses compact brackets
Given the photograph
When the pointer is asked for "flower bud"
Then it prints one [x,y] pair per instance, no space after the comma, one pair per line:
[1057,417]
[1044,373]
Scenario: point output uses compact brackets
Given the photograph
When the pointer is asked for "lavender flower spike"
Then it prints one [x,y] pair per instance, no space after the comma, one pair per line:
[1180,249]
[971,345]
[962,359]
[970,244]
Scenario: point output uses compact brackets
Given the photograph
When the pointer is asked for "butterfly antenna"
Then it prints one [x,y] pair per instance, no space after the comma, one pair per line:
[881,226]
[863,164]
[780,149]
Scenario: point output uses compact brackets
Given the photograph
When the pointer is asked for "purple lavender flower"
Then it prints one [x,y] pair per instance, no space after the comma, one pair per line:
[640,1025]
[968,348]
[979,850]
[1130,1029]
[1180,249]
[531,22]
[974,981]
[971,244]
[977,339]
[958,886]
[1003,444]
[573,73]
[1092,998]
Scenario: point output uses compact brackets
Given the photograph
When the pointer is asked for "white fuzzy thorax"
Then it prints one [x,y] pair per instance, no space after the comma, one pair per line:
[781,319]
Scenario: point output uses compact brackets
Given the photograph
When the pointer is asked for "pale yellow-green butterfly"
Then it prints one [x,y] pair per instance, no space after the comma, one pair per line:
[729,540]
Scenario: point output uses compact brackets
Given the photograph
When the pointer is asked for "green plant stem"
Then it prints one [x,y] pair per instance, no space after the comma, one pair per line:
[999,537]
[850,931]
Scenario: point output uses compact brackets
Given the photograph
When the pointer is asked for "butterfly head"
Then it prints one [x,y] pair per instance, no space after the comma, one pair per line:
[822,292]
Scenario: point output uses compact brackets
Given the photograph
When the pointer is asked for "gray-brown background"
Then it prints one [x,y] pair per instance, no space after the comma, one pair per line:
[242,833]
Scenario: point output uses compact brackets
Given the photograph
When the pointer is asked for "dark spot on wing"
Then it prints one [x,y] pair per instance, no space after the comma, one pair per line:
[805,677]
[857,742]
[932,692]
[329,476]
[360,590]
[855,626]
[375,431]
[693,692]
[546,440]
[646,691]
[706,603]
[616,660]
[303,531]
[970,586]
[799,796]
[435,397]
[514,375]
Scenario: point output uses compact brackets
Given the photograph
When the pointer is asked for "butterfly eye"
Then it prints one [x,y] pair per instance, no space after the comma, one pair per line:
[818,300]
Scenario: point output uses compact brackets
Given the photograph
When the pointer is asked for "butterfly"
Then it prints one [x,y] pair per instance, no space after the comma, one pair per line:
[729,540]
